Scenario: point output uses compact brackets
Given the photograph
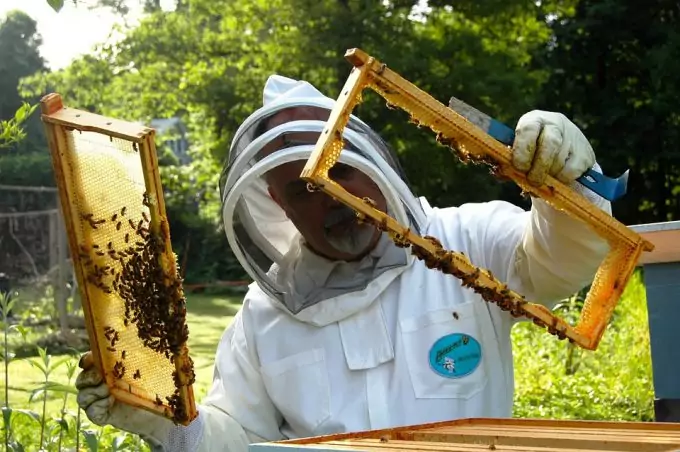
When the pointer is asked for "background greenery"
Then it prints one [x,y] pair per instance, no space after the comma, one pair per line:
[609,65]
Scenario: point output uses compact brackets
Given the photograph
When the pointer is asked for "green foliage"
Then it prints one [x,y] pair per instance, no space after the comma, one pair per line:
[610,66]
[19,44]
[192,203]
[27,429]
[39,393]
[615,67]
[11,130]
[207,61]
[555,380]
[31,169]
[56,5]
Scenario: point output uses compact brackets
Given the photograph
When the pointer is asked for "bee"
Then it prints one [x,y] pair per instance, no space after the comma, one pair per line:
[137,375]
[370,202]
[119,225]
[455,315]
[118,370]
[122,355]
[113,218]
[122,211]
[146,217]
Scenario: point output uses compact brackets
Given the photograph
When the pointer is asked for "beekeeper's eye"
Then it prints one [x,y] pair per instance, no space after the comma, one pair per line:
[299,139]
[341,171]
[297,191]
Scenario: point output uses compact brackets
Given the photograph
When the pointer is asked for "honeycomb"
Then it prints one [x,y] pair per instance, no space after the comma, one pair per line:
[132,297]
[471,145]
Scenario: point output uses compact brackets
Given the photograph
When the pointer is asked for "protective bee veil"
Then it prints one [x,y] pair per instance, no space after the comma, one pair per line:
[265,241]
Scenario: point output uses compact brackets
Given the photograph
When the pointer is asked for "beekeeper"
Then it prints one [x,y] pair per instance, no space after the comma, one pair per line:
[342,330]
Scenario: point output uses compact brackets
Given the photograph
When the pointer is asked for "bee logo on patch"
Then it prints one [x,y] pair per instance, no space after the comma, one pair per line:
[455,355]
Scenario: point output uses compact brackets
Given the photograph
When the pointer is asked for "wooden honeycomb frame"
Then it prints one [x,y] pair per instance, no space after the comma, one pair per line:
[131,291]
[471,144]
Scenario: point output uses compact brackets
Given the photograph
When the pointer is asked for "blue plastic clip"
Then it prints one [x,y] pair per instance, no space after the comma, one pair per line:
[609,188]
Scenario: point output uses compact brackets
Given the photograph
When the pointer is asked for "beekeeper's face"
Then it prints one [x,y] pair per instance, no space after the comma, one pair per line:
[328,226]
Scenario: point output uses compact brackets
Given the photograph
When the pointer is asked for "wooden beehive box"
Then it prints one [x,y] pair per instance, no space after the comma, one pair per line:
[500,435]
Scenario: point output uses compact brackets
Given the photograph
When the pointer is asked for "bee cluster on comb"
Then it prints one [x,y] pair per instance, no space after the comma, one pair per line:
[152,298]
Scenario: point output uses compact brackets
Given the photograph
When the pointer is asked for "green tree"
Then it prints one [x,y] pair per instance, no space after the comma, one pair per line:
[207,62]
[614,71]
[19,57]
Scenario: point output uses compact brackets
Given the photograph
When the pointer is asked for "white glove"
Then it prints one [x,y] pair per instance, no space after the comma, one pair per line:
[548,143]
[102,409]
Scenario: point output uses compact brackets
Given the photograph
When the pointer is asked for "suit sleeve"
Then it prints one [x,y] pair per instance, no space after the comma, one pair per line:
[237,410]
[543,253]
[557,255]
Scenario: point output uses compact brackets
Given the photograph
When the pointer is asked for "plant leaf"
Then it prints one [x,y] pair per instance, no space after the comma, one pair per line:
[59,387]
[56,4]
[21,329]
[36,393]
[28,413]
[117,442]
[91,440]
[39,365]
[16,446]
[6,415]
[63,424]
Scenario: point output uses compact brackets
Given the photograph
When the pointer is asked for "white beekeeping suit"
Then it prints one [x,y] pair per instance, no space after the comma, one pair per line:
[324,346]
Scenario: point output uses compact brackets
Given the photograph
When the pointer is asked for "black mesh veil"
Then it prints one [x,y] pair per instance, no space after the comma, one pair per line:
[258,230]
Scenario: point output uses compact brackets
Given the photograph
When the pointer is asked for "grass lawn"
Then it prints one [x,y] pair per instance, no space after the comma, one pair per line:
[207,317]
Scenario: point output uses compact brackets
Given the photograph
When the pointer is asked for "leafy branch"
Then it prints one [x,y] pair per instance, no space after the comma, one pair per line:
[11,131]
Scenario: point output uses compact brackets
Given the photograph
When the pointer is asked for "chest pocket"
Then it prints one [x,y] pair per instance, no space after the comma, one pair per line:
[299,387]
[448,351]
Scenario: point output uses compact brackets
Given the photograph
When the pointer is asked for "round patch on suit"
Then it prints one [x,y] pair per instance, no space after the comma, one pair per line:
[455,355]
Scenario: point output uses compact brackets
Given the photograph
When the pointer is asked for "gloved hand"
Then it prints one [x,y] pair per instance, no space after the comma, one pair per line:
[102,409]
[548,143]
